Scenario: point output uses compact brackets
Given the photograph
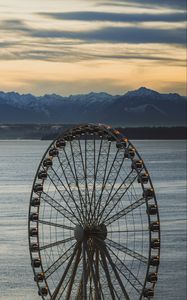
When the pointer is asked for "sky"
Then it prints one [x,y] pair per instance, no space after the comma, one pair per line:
[78,46]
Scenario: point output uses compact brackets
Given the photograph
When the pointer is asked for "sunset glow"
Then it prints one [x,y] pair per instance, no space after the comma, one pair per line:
[71,47]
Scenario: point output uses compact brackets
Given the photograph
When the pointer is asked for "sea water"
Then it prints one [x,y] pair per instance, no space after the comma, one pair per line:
[166,162]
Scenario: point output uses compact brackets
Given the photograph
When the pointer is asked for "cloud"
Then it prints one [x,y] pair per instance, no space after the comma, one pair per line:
[63,45]
[66,55]
[132,35]
[7,44]
[39,50]
[70,54]
[14,25]
[112,34]
[173,4]
[167,3]
[118,17]
[106,34]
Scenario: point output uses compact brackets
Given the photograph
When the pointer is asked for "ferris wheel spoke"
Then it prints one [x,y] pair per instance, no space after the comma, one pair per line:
[69,187]
[68,162]
[57,290]
[88,173]
[64,174]
[106,165]
[107,273]
[73,273]
[126,250]
[57,243]
[70,166]
[55,225]
[110,261]
[93,196]
[115,195]
[120,197]
[82,292]
[99,155]
[127,231]
[59,262]
[87,195]
[92,273]
[84,168]
[121,266]
[128,186]
[132,194]
[57,206]
[82,288]
[115,179]
[63,197]
[98,268]
[117,171]
[125,211]
[82,200]
[105,178]
[93,193]
[111,167]
[63,288]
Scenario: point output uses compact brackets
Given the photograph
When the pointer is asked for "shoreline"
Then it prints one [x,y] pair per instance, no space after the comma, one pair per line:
[52,131]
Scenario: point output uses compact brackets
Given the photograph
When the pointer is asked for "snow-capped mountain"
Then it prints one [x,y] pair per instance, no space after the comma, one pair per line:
[141,107]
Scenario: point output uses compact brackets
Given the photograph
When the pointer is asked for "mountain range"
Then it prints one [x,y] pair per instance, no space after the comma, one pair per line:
[141,107]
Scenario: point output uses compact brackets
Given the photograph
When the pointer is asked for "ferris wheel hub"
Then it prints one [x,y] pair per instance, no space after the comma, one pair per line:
[79,233]
[93,232]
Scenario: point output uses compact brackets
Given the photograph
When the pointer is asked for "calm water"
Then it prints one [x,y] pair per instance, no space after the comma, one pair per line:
[166,161]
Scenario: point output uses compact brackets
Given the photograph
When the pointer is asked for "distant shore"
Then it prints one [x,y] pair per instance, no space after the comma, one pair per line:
[156,133]
[51,131]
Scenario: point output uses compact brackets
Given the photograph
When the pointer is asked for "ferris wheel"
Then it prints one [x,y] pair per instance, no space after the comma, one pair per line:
[94,230]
